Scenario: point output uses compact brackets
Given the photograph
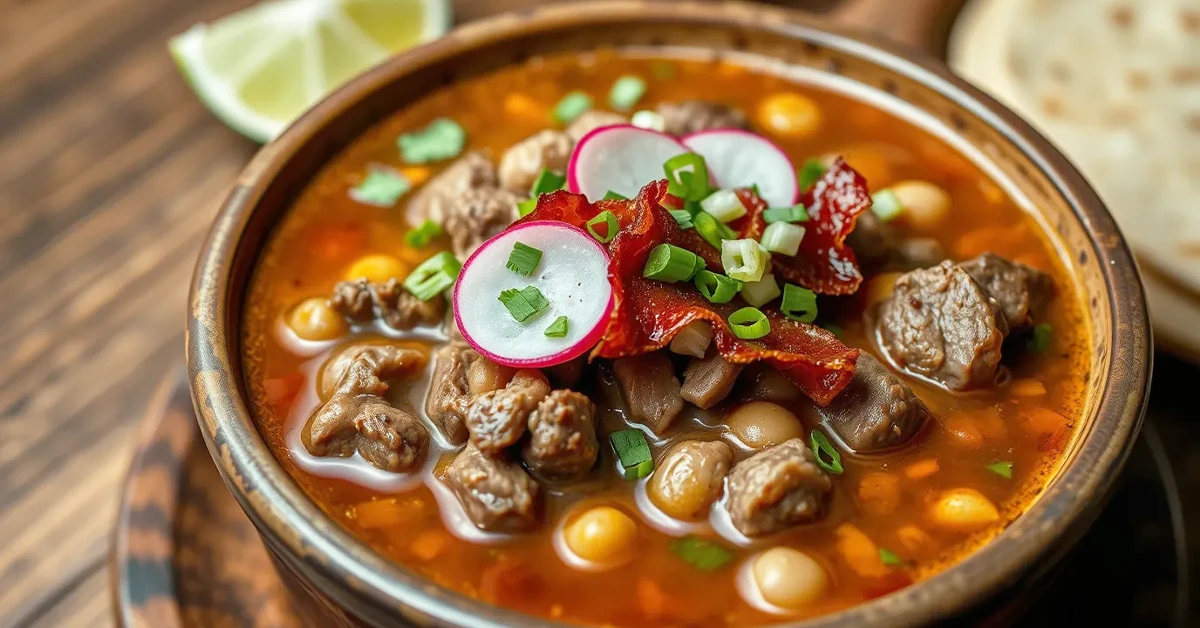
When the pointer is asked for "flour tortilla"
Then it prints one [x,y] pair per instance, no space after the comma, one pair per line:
[1116,85]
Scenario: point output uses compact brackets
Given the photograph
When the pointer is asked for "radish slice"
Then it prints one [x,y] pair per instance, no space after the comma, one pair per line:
[572,275]
[621,158]
[740,159]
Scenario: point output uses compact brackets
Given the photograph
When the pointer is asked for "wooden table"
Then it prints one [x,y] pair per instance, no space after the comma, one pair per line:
[110,172]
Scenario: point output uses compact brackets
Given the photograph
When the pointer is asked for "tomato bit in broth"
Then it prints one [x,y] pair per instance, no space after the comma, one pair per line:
[369,398]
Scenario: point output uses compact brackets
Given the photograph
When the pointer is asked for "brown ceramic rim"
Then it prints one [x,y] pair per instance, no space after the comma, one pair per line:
[297,529]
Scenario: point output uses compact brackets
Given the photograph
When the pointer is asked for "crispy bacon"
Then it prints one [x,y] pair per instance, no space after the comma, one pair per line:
[647,314]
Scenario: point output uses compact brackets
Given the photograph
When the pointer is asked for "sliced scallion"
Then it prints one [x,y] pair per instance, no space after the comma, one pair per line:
[1002,468]
[442,139]
[799,304]
[713,231]
[523,259]
[783,238]
[889,558]
[613,196]
[682,217]
[670,263]
[626,92]
[571,107]
[633,453]
[423,235]
[761,292]
[749,323]
[646,119]
[886,205]
[526,207]
[557,329]
[433,276]
[827,456]
[1041,337]
[745,259]
[382,187]
[608,222]
[687,176]
[717,288]
[724,205]
[525,303]
[795,213]
[809,173]
[701,554]
[547,181]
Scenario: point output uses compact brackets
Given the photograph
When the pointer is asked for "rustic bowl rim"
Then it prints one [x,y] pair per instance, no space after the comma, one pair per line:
[292,523]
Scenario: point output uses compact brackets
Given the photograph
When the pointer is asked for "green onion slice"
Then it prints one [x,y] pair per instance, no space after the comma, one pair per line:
[712,230]
[526,207]
[611,227]
[547,181]
[749,323]
[827,456]
[442,139]
[626,91]
[701,554]
[525,303]
[670,263]
[795,213]
[800,304]
[557,329]
[382,187]
[783,238]
[687,177]
[1041,337]
[745,259]
[724,205]
[683,217]
[423,235]
[633,452]
[433,276]
[613,196]
[1003,469]
[886,205]
[889,557]
[809,173]
[717,288]
[571,107]
[761,292]
[524,259]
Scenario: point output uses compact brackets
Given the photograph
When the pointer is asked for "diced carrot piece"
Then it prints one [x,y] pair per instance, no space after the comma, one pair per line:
[1026,387]
[1041,420]
[879,493]
[915,540]
[859,551]
[922,469]
[651,599]
[332,243]
[376,514]
[988,420]
[416,175]
[521,105]
[429,544]
[962,431]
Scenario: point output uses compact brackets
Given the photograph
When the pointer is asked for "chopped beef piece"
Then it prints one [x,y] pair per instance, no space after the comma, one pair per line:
[879,246]
[691,116]
[449,390]
[496,420]
[562,442]
[484,376]
[776,488]
[940,324]
[356,418]
[472,171]
[496,494]
[768,384]
[361,300]
[1019,289]
[650,388]
[876,411]
[690,477]
[522,163]
[477,215]
[379,352]
[592,120]
[707,381]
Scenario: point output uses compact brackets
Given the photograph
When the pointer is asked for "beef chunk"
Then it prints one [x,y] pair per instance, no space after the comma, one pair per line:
[592,120]
[449,390]
[876,411]
[522,162]
[776,488]
[879,246]
[562,436]
[650,388]
[707,381]
[690,477]
[361,300]
[496,420]
[691,116]
[496,494]
[939,323]
[477,215]
[356,418]
[1019,289]
[380,356]
[472,171]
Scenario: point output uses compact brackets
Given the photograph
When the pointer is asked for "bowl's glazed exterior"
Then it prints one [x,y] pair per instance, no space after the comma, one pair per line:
[343,582]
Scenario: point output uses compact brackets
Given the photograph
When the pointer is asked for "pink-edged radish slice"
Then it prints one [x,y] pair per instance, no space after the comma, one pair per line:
[572,275]
[621,158]
[740,159]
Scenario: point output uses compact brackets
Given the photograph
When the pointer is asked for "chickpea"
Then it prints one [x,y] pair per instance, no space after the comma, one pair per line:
[871,163]
[963,510]
[761,424]
[484,376]
[790,114]
[880,287]
[689,478]
[925,204]
[312,319]
[603,535]
[789,578]
[377,268]
[962,431]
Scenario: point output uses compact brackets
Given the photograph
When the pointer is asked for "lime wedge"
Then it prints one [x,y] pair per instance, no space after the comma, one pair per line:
[260,68]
